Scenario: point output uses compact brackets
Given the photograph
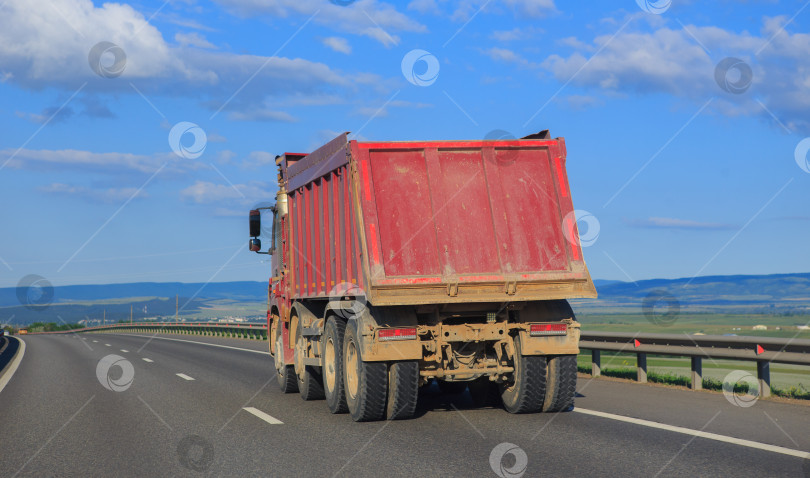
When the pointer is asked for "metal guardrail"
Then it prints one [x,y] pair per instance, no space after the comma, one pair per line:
[762,350]
[247,331]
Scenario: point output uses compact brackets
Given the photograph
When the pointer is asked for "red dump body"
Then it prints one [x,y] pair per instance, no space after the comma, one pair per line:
[433,222]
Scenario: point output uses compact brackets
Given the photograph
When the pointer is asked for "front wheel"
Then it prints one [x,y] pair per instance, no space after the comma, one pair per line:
[366,382]
[525,392]
[287,380]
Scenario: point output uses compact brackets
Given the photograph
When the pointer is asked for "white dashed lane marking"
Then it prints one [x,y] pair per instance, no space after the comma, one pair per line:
[147,360]
[184,376]
[696,433]
[125,351]
[269,419]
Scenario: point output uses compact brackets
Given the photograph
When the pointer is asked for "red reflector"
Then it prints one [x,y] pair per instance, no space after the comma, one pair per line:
[549,329]
[398,334]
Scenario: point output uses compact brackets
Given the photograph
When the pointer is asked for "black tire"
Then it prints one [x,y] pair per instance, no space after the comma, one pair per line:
[332,371]
[484,392]
[366,383]
[287,380]
[403,390]
[309,382]
[452,388]
[526,391]
[561,384]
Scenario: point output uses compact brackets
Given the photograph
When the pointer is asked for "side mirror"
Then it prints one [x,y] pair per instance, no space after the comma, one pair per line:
[255,223]
[255,245]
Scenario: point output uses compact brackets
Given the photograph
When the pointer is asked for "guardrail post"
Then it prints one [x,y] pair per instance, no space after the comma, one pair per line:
[596,363]
[764,376]
[641,367]
[697,373]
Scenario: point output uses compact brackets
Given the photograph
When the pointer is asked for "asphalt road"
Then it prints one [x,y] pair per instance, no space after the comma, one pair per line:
[183,412]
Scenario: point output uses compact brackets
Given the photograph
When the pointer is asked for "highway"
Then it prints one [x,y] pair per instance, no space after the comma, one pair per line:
[194,406]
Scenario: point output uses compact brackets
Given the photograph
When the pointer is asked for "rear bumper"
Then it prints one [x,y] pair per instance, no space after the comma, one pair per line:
[432,339]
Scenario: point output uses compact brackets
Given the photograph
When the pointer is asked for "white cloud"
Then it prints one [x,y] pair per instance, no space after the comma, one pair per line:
[49,115]
[109,195]
[86,161]
[673,223]
[672,61]
[516,33]
[225,157]
[507,56]
[193,39]
[258,159]
[581,102]
[378,20]
[424,6]
[520,8]
[340,45]
[204,192]
[262,114]
[41,48]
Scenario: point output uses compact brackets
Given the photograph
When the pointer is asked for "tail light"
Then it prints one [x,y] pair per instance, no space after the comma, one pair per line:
[548,329]
[408,333]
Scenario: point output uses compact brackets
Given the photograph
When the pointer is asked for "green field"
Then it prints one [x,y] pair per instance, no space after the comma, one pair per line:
[693,323]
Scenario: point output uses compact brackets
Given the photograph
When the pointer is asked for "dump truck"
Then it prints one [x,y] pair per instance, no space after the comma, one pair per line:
[396,265]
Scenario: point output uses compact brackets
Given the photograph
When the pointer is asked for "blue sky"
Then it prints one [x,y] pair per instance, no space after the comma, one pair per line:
[683,171]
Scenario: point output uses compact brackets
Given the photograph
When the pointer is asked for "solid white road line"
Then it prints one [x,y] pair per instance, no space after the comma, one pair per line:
[12,367]
[125,351]
[697,433]
[201,343]
[263,416]
[147,360]
[184,376]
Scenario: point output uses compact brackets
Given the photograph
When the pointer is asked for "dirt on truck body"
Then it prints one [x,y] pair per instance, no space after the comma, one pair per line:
[398,263]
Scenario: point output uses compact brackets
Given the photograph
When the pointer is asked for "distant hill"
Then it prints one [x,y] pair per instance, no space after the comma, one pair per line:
[737,293]
[214,290]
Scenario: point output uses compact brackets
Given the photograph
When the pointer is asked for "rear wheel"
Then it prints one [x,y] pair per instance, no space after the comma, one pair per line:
[309,379]
[366,382]
[332,368]
[561,386]
[526,391]
[287,380]
[403,390]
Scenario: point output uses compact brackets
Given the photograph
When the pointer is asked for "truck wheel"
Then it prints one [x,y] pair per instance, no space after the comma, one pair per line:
[309,380]
[332,368]
[287,380]
[403,390]
[452,388]
[526,390]
[561,383]
[366,382]
[484,392]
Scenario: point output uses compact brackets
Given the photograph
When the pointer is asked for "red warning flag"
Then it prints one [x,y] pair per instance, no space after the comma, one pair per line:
[760,350]
[637,343]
